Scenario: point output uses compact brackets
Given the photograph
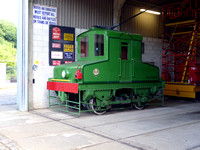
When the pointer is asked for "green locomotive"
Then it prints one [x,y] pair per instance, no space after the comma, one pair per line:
[109,71]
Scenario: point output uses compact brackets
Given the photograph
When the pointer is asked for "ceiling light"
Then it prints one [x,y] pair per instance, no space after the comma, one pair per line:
[150,11]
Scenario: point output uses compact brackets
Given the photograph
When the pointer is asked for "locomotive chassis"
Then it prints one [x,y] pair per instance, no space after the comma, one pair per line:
[62,102]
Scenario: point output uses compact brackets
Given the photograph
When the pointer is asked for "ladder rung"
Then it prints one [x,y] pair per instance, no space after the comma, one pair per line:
[188,22]
[180,33]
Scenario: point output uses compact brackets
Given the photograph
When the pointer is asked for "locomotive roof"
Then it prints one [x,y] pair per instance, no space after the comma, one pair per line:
[114,33]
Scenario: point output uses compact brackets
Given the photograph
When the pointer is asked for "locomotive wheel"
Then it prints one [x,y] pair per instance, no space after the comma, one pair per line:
[142,106]
[197,100]
[94,107]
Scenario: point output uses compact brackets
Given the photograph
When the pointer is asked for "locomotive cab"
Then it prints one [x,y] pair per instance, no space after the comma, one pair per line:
[92,46]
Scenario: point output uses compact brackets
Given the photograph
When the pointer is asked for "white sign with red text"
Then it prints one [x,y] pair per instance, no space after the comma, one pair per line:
[56,55]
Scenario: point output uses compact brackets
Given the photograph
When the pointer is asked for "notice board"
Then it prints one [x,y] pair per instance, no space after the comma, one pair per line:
[61,45]
[44,14]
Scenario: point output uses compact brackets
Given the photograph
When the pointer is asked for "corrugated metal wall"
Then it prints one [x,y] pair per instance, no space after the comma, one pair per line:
[86,13]
[81,13]
[148,25]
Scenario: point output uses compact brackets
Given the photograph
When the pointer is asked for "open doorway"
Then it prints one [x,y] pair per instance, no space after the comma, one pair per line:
[8,53]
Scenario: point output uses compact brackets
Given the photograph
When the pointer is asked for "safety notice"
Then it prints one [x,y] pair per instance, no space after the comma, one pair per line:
[68,37]
[56,55]
[56,45]
[68,55]
[68,48]
[61,45]
[56,35]
[44,15]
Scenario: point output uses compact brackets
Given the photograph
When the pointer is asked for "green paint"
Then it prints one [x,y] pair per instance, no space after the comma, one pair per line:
[120,67]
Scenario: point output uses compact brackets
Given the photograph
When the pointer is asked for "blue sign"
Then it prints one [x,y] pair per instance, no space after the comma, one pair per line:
[68,55]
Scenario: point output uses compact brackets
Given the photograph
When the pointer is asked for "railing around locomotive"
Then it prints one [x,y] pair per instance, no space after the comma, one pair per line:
[67,105]
[61,102]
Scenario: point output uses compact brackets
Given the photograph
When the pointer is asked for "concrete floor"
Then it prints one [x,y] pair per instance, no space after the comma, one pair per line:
[172,127]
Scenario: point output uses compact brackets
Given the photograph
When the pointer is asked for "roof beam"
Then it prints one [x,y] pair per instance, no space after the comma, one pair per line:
[117,11]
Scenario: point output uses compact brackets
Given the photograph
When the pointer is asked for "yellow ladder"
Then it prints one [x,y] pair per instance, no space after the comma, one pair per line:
[188,57]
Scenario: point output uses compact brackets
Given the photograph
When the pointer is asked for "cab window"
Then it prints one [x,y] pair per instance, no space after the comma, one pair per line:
[124,51]
[84,47]
[99,45]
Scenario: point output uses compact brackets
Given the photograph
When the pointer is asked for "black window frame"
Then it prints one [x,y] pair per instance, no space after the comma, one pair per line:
[124,51]
[99,49]
[86,51]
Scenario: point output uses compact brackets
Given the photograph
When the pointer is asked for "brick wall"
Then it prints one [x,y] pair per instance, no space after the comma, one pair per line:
[44,71]
[39,98]
[153,51]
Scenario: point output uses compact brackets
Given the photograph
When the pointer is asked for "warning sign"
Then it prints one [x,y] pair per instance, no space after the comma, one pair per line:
[44,15]
[68,48]
[61,45]
[56,33]
[68,37]
[68,55]
[56,45]
[56,55]
[67,62]
[55,62]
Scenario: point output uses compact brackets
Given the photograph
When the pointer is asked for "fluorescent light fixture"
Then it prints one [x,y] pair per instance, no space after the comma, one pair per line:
[150,11]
